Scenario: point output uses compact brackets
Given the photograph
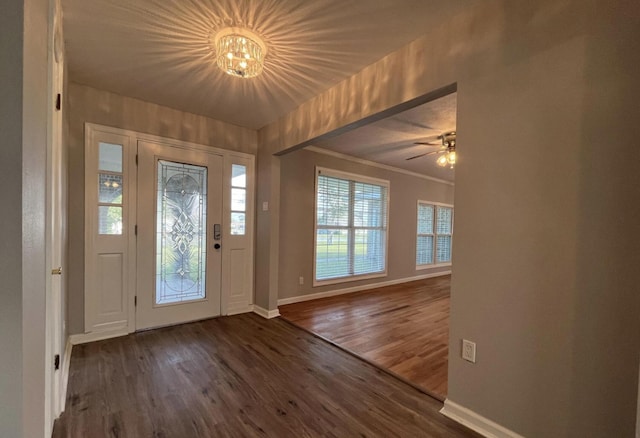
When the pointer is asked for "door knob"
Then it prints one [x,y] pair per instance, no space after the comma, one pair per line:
[216,246]
[57,271]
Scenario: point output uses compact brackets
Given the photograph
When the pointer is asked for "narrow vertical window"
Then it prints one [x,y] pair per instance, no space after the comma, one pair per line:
[434,234]
[110,182]
[425,241]
[238,199]
[444,230]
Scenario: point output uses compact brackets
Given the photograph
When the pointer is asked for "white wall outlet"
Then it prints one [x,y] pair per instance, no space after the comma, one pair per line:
[265,206]
[469,351]
[301,280]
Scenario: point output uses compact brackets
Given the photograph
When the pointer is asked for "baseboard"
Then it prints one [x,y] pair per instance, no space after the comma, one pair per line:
[476,422]
[83,338]
[238,310]
[348,290]
[66,363]
[268,314]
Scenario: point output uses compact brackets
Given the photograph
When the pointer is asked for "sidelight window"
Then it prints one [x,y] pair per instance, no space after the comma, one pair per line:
[238,199]
[110,179]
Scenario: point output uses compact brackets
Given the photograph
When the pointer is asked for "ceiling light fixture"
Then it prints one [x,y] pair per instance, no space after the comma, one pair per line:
[448,158]
[239,52]
[448,150]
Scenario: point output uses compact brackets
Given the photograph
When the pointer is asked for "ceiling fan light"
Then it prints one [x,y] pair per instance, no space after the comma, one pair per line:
[442,161]
[451,157]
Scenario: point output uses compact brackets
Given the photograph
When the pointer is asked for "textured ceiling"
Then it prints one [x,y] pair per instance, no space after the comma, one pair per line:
[390,141]
[158,50]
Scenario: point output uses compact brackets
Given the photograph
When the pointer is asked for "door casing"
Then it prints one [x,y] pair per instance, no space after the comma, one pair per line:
[239,288]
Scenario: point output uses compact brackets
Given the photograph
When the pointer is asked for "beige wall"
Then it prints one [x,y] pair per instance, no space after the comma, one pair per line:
[23,122]
[545,257]
[88,104]
[297,220]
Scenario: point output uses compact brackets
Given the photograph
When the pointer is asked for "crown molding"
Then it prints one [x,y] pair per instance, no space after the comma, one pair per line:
[340,155]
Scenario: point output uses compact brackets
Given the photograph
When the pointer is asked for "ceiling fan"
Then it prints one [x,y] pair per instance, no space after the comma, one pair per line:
[448,149]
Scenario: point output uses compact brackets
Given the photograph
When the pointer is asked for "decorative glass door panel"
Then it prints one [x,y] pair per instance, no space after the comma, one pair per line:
[179,260]
[181,227]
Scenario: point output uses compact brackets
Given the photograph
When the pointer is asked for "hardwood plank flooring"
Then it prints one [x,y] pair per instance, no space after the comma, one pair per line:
[238,376]
[402,328]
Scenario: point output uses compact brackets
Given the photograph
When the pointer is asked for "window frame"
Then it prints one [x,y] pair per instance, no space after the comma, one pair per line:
[356,178]
[231,210]
[98,173]
[435,234]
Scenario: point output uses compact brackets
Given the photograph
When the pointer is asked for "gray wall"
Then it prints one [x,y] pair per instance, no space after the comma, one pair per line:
[23,122]
[297,220]
[545,275]
[11,23]
[88,104]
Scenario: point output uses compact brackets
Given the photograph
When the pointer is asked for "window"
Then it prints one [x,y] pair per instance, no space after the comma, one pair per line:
[238,199]
[435,231]
[351,226]
[181,232]
[110,188]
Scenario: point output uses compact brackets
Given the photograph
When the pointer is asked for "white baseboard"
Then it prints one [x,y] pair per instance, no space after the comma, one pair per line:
[238,310]
[268,314]
[476,422]
[64,382]
[83,338]
[348,290]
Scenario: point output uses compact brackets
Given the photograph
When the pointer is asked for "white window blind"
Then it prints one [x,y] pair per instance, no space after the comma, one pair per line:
[434,234]
[425,241]
[351,226]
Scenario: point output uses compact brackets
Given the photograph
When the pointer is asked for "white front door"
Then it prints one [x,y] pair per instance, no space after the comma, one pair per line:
[179,254]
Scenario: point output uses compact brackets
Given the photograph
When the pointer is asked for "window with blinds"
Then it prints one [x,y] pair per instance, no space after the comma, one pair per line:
[351,226]
[434,234]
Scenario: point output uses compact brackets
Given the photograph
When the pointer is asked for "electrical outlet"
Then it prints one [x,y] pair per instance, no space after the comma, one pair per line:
[265,206]
[469,351]
[301,280]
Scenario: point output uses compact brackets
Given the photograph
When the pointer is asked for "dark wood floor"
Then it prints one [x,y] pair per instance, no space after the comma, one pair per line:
[238,376]
[402,328]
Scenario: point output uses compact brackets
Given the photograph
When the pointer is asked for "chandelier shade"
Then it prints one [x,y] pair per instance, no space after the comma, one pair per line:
[239,52]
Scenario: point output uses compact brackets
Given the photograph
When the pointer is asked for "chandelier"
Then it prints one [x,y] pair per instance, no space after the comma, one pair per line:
[239,52]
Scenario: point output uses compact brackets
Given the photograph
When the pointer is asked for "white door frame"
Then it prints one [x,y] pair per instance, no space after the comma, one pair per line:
[246,244]
[54,342]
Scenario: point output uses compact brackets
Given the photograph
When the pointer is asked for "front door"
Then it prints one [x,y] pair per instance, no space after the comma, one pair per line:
[179,253]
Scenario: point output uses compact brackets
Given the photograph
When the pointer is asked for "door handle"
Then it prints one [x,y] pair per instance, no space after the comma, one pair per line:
[216,246]
[57,271]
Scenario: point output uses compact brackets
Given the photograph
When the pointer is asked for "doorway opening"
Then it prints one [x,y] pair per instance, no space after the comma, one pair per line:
[396,319]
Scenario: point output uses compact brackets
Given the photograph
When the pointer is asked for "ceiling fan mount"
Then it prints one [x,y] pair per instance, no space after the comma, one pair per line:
[448,139]
[447,146]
